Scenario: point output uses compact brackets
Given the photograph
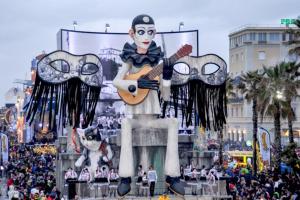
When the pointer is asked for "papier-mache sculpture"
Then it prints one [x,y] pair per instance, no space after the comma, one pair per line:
[138,82]
[66,86]
[95,150]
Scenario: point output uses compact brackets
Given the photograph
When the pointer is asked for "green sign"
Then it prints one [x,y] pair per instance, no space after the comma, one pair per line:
[287,21]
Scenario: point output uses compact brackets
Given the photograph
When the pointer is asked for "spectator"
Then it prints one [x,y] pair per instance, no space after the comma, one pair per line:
[152,178]
[139,181]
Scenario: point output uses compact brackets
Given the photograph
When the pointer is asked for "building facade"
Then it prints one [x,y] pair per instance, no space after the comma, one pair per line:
[251,48]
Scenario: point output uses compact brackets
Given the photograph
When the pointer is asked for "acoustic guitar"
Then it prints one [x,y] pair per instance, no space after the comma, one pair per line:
[151,74]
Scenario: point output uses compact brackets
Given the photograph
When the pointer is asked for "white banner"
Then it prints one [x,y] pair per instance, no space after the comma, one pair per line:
[108,47]
[4,147]
[263,137]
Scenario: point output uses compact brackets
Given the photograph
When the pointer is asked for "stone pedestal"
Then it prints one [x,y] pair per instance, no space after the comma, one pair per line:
[149,148]
[204,158]
[64,160]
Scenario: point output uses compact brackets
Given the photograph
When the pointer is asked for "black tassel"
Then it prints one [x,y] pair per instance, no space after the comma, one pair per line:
[67,100]
[203,104]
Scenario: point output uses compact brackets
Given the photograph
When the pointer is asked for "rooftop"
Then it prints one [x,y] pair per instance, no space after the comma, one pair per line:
[258,27]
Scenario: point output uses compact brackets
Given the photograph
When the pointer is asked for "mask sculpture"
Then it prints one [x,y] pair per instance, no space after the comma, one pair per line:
[66,85]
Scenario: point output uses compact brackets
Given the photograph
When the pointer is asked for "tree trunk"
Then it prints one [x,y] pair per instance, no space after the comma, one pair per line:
[290,123]
[254,120]
[221,148]
[277,138]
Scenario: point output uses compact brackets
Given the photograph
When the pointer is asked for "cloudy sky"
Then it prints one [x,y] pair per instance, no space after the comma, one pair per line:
[29,27]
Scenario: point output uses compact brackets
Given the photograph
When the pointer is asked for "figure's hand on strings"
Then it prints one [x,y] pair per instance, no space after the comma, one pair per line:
[145,83]
[167,69]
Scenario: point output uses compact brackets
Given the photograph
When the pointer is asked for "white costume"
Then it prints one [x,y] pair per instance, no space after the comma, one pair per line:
[70,174]
[84,175]
[144,52]
[145,115]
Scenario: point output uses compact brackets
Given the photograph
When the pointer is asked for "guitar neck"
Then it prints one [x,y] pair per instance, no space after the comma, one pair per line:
[157,70]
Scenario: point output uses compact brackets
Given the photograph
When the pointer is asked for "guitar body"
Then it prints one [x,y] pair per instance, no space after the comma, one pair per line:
[130,99]
[152,74]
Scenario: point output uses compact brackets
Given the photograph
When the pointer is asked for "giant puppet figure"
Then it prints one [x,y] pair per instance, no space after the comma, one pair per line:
[143,104]
[200,95]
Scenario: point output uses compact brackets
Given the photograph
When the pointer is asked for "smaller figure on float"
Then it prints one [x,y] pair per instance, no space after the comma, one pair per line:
[113,178]
[71,178]
[85,175]
[102,179]
[70,174]
[96,149]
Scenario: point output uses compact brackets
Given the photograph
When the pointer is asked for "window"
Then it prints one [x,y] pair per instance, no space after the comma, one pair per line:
[237,111]
[239,40]
[261,55]
[236,42]
[242,114]
[291,36]
[252,36]
[231,112]
[262,37]
[274,37]
[283,37]
[236,57]
[244,38]
[242,56]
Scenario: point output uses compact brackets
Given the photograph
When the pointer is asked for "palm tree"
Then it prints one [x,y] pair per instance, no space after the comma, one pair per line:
[276,94]
[250,88]
[295,42]
[292,83]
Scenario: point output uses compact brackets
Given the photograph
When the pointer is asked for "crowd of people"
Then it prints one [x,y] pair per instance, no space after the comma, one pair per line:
[266,185]
[242,184]
[30,175]
[109,125]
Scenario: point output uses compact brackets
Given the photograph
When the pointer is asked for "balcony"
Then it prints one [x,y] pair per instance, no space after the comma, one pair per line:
[262,41]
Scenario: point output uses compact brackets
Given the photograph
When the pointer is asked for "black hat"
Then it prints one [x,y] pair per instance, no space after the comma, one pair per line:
[142,19]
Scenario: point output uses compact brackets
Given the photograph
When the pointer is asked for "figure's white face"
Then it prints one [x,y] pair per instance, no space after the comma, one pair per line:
[144,34]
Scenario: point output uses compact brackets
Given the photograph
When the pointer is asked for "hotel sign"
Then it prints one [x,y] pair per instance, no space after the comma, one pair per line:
[288,21]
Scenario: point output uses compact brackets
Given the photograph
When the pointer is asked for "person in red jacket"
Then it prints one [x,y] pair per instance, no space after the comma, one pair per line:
[9,182]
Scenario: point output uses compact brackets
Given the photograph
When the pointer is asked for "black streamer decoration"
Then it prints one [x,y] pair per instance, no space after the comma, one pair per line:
[200,96]
[65,97]
[67,100]
[202,103]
